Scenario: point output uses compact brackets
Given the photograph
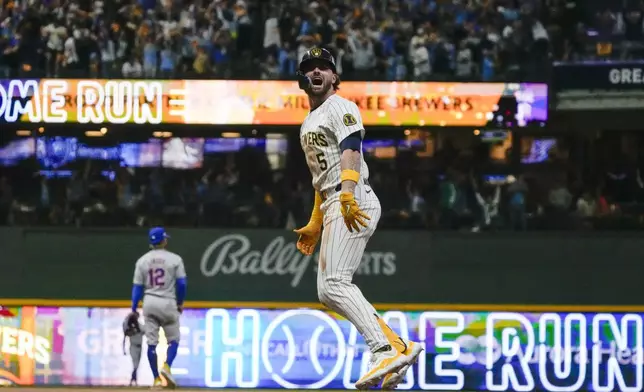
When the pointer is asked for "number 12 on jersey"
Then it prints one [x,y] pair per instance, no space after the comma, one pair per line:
[156,277]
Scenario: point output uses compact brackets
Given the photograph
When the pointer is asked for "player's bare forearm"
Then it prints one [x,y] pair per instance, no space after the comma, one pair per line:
[350,160]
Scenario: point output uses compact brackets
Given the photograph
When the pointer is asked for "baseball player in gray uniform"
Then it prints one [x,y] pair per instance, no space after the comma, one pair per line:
[160,280]
[133,330]
[345,215]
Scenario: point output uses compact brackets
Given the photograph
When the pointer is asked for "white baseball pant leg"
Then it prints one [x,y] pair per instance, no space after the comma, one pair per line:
[340,255]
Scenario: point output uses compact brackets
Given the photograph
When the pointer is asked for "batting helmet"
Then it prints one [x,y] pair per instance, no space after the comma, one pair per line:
[156,235]
[314,55]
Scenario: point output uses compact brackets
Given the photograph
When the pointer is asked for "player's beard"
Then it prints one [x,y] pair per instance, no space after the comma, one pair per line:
[321,90]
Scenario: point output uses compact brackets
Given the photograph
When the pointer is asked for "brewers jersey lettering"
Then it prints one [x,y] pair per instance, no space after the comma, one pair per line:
[340,250]
[157,271]
[321,134]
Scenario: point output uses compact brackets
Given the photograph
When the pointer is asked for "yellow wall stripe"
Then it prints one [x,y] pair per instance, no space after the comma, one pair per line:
[317,305]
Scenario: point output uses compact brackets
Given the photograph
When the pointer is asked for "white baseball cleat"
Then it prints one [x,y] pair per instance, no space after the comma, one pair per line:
[382,363]
[391,380]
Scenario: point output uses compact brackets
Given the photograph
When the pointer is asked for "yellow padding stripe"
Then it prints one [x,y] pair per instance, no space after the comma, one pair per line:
[316,305]
[349,175]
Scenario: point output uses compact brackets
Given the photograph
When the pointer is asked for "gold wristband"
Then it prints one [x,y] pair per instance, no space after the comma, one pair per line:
[349,175]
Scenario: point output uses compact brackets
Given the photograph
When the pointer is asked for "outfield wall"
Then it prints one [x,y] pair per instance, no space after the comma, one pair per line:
[400,270]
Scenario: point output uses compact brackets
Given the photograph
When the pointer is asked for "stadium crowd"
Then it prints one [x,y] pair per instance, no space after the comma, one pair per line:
[251,39]
[372,40]
[445,192]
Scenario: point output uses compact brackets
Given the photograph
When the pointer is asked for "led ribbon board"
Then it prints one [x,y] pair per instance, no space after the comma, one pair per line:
[311,349]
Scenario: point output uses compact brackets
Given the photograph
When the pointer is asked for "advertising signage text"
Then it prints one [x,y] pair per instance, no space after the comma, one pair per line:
[230,102]
[417,267]
[312,349]
[601,75]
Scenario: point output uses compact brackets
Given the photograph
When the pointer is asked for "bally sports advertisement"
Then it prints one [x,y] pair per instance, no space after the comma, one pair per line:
[312,349]
[235,102]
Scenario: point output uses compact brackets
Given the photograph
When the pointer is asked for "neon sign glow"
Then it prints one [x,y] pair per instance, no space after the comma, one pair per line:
[516,352]
[45,101]
[23,343]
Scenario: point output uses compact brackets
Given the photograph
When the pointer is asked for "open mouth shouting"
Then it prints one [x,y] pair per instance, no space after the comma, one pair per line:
[317,81]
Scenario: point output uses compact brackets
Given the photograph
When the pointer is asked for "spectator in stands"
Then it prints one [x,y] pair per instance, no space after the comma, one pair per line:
[107,54]
[132,68]
[371,40]
[448,200]
[127,198]
[270,69]
[517,193]
[201,64]
[465,69]
[560,202]
[168,61]
[56,34]
[272,38]
[71,61]
[489,203]
[216,198]
[287,60]
[586,205]
[363,53]
[150,58]
[488,65]
[419,55]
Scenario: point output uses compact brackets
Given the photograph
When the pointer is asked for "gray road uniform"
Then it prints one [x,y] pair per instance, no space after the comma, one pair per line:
[157,271]
[135,334]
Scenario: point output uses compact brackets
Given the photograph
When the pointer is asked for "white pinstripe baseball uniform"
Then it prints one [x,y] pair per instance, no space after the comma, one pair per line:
[340,250]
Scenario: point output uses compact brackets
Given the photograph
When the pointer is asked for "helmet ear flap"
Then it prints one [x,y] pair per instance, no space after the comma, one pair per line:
[303,81]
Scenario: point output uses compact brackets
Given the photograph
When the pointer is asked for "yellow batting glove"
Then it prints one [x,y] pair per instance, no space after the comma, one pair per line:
[309,235]
[353,216]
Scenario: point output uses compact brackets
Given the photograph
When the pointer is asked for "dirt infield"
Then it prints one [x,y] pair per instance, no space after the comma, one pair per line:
[113,389]
[124,389]
[139,389]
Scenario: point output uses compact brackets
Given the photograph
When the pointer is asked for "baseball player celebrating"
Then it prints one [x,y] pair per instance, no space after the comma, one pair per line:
[160,280]
[349,210]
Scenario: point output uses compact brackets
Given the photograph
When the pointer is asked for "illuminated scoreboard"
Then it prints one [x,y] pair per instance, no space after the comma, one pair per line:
[267,102]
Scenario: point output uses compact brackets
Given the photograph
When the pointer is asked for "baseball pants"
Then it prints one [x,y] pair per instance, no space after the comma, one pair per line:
[159,312]
[136,346]
[340,256]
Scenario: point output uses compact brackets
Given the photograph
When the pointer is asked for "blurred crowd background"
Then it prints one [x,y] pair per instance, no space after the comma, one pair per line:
[437,180]
[252,39]
[448,182]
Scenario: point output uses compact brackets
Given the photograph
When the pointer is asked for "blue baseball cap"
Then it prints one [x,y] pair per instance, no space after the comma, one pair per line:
[157,235]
